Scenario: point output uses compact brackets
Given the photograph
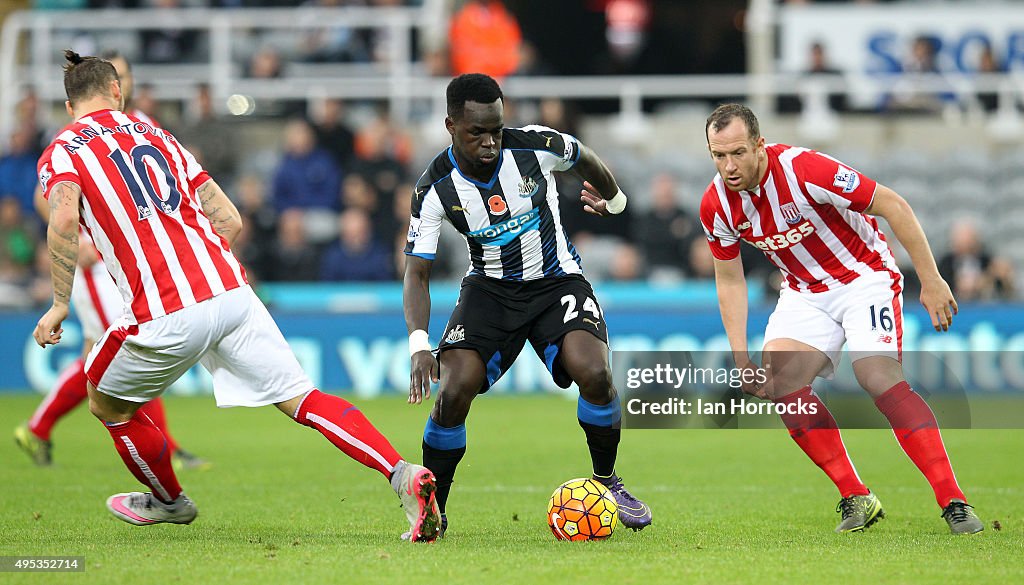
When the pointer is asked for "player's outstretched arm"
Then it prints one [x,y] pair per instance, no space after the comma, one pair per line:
[416,306]
[221,212]
[936,296]
[601,194]
[62,242]
[87,255]
[731,285]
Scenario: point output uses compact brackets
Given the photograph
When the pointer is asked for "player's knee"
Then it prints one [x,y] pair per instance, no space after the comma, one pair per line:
[106,412]
[452,406]
[877,375]
[595,383]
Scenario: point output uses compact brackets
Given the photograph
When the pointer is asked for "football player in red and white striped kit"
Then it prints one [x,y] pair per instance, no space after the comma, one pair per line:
[163,228]
[814,218]
[97,302]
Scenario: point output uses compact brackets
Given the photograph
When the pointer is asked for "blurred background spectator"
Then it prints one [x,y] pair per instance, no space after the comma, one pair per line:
[210,137]
[169,44]
[819,66]
[18,241]
[971,271]
[255,244]
[336,44]
[333,133]
[18,169]
[988,64]
[357,255]
[921,90]
[293,257]
[308,180]
[663,232]
[484,38]
[307,176]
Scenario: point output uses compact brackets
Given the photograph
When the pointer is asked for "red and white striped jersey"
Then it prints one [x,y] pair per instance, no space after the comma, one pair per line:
[139,206]
[806,216]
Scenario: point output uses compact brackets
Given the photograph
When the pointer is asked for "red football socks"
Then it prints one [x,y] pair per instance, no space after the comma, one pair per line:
[818,435]
[348,430]
[68,393]
[154,409]
[916,429]
[144,450]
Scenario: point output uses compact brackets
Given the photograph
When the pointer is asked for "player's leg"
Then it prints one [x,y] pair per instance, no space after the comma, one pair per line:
[793,364]
[345,426]
[144,450]
[803,340]
[484,336]
[97,301]
[252,365]
[181,458]
[154,409]
[569,334]
[67,393]
[130,365]
[462,376]
[91,304]
[874,329]
[70,389]
[584,358]
[351,432]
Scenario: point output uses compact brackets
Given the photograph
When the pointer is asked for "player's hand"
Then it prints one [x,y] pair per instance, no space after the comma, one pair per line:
[592,200]
[48,329]
[750,383]
[939,302]
[425,370]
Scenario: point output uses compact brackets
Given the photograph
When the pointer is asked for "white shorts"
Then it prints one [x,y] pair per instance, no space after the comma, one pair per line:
[232,335]
[866,314]
[96,300]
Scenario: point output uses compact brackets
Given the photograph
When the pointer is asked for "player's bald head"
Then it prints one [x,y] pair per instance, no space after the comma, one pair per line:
[471,87]
[86,77]
[726,113]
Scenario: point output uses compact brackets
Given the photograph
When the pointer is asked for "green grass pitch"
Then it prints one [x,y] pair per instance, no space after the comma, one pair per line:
[281,505]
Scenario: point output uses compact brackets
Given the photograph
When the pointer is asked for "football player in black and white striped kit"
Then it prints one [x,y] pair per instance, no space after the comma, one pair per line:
[525,281]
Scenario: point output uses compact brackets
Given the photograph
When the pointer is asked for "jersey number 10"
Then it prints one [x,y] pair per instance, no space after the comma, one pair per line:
[140,183]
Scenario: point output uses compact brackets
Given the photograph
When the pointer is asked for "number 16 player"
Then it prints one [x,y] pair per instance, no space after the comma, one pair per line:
[813,217]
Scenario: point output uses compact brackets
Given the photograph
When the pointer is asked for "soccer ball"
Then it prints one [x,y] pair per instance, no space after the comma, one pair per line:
[582,509]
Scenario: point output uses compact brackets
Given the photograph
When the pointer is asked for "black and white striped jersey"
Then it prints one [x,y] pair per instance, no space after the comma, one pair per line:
[511,223]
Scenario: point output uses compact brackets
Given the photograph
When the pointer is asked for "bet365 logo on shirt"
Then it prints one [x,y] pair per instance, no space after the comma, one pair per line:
[782,240]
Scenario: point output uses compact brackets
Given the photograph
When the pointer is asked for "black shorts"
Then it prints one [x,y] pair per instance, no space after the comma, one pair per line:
[497,317]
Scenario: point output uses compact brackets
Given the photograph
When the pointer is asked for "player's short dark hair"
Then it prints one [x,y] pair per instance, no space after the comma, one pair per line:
[471,87]
[724,114]
[85,77]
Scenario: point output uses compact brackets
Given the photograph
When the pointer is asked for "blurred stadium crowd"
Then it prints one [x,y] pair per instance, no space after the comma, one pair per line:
[326,198]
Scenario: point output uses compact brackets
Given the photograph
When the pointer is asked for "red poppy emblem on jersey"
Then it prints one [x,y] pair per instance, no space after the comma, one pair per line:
[496,205]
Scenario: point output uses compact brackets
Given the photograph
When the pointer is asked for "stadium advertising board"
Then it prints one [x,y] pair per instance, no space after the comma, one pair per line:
[877,40]
[367,353]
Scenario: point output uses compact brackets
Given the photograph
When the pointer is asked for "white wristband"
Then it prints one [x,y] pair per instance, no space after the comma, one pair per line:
[419,341]
[617,204]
